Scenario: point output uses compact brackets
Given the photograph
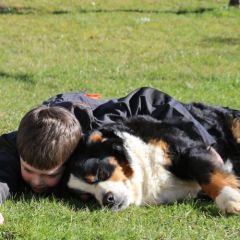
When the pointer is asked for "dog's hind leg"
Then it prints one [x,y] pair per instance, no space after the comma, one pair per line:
[221,186]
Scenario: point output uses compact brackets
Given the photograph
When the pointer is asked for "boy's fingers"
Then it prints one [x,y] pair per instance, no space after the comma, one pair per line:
[1,219]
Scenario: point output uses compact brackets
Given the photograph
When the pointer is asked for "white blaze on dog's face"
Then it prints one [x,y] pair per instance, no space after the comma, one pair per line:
[115,195]
[110,184]
[104,172]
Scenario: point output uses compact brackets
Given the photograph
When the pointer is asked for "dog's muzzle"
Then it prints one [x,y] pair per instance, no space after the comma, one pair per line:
[113,201]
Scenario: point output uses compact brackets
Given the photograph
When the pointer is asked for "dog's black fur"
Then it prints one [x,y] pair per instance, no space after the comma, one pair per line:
[189,159]
[184,144]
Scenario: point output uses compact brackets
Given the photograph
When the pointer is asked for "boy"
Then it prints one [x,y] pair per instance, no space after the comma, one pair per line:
[48,134]
[46,139]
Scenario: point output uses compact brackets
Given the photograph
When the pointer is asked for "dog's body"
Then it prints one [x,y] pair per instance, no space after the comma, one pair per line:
[144,161]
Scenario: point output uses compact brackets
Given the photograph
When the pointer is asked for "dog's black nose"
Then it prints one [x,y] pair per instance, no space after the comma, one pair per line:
[108,199]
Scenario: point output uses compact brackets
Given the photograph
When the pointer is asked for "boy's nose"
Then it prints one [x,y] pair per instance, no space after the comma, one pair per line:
[37,180]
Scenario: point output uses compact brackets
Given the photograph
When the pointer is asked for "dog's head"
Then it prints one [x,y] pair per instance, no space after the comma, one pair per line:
[100,167]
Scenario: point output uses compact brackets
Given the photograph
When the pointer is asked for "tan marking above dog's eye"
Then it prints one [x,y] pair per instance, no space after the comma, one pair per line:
[95,137]
[90,178]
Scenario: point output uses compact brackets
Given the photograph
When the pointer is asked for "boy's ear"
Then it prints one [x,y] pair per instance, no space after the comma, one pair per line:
[95,136]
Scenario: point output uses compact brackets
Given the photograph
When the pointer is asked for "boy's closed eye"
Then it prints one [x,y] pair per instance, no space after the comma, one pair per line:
[27,170]
[54,175]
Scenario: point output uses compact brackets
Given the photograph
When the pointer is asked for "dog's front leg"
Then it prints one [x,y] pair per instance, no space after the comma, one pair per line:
[223,188]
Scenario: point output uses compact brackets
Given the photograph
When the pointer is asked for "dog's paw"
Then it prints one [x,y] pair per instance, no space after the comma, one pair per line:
[229,200]
[236,129]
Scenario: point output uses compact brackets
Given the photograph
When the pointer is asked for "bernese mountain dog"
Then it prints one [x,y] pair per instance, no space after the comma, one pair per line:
[145,161]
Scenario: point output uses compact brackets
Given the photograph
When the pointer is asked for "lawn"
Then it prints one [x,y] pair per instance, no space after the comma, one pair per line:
[189,49]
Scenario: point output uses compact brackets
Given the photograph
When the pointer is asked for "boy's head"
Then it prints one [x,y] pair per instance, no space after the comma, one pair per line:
[46,138]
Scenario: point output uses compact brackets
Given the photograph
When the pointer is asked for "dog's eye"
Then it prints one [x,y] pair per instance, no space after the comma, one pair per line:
[102,175]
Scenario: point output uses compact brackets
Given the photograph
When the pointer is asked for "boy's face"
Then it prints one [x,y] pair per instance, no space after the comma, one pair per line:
[41,180]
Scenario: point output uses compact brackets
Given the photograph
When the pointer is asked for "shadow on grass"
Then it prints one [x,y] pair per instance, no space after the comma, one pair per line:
[70,200]
[28,78]
[59,12]
[221,40]
[77,204]
[203,205]
[177,12]
[7,235]
[16,10]
[29,10]
[208,207]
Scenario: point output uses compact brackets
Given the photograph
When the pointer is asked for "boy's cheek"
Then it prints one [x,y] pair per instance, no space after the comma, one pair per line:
[51,182]
[25,175]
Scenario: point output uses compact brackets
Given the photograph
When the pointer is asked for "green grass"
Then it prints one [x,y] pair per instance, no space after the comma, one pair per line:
[189,49]
[51,219]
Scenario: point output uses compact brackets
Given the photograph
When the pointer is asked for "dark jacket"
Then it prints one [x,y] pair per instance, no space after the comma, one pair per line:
[93,113]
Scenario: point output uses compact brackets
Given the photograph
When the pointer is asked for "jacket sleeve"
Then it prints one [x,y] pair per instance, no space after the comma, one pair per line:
[4,192]
[10,176]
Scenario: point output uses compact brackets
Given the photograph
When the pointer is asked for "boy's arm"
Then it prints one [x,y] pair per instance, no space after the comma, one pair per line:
[10,174]
[9,167]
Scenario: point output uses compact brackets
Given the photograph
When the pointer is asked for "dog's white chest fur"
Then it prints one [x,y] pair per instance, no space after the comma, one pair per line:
[152,183]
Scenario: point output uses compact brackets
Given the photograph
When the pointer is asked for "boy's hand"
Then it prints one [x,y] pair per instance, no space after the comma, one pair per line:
[1,219]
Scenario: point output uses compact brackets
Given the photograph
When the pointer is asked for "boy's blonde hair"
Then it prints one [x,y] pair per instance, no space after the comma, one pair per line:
[47,136]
